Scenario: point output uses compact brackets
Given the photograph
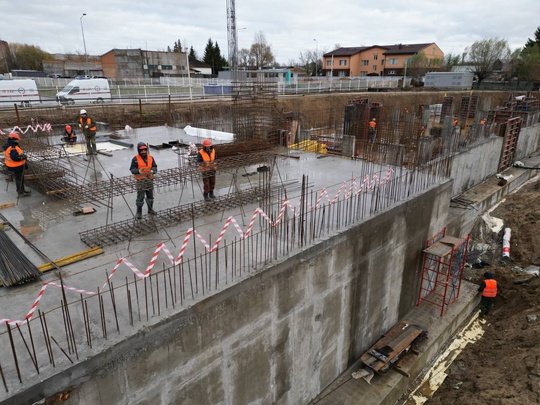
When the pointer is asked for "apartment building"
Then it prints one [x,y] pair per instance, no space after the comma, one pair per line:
[376,60]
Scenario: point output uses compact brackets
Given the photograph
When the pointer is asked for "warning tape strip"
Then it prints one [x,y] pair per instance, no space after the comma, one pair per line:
[46,127]
[258,212]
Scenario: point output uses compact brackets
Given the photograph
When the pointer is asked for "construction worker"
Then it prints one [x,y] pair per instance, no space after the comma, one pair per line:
[455,122]
[15,161]
[88,127]
[144,167]
[69,135]
[488,288]
[372,130]
[206,158]
[483,121]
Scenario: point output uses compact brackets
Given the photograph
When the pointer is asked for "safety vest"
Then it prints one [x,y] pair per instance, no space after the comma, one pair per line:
[91,126]
[490,290]
[372,124]
[455,123]
[207,158]
[70,134]
[13,163]
[144,167]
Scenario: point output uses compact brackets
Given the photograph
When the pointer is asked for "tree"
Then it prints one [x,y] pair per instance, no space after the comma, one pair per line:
[177,47]
[261,51]
[192,54]
[450,61]
[212,56]
[529,64]
[28,57]
[484,54]
[244,58]
[531,42]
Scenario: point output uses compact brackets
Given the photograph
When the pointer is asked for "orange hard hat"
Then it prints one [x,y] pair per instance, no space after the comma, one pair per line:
[68,127]
[207,142]
[14,135]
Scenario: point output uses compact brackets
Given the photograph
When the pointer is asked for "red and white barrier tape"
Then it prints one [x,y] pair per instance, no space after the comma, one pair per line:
[354,188]
[46,127]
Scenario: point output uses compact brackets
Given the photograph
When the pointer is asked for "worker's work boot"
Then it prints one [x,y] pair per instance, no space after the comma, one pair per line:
[150,208]
[211,195]
[139,213]
[206,197]
[24,193]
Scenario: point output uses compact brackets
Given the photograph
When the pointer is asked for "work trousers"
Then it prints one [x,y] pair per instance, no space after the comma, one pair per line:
[485,304]
[145,188]
[91,148]
[18,174]
[209,181]
[372,134]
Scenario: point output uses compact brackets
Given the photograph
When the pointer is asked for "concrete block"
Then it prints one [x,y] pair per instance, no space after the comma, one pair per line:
[290,287]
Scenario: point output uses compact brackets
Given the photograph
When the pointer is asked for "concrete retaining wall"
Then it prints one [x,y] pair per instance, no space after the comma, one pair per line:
[474,165]
[278,337]
[528,142]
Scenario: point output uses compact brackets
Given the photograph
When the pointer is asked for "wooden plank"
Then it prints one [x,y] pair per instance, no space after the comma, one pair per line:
[8,204]
[438,249]
[67,260]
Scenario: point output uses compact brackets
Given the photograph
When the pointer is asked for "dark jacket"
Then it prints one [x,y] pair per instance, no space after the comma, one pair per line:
[13,153]
[134,168]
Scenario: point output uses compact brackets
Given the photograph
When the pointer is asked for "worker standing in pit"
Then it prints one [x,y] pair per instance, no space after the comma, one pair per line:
[15,161]
[372,130]
[144,167]
[206,158]
[69,135]
[488,288]
[88,127]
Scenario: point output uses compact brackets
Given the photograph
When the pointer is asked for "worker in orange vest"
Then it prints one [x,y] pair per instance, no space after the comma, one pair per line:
[89,128]
[488,288]
[455,122]
[144,167]
[15,161]
[206,158]
[69,135]
[372,130]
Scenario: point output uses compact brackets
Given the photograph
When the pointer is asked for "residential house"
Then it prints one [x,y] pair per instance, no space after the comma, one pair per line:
[376,60]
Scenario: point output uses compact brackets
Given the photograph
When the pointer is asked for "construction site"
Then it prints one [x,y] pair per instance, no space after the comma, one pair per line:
[333,266]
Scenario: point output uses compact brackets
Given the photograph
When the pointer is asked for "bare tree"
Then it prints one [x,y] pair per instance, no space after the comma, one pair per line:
[261,51]
[484,54]
[451,60]
[244,58]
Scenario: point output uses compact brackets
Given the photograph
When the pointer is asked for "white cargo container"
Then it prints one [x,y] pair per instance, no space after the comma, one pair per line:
[22,91]
[449,80]
[85,91]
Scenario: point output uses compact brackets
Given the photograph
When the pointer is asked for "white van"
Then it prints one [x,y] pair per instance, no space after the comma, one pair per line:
[85,91]
[22,91]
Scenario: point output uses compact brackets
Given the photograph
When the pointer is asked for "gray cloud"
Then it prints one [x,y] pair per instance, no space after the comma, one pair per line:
[289,26]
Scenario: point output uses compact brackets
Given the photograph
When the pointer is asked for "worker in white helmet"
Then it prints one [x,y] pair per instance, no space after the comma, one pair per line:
[88,127]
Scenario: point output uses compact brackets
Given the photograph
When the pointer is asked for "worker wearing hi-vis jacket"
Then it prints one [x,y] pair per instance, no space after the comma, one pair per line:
[69,135]
[372,130]
[88,127]
[144,167]
[15,161]
[488,288]
[206,158]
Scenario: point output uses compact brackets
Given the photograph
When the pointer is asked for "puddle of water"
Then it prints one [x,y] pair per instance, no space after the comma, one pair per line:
[437,374]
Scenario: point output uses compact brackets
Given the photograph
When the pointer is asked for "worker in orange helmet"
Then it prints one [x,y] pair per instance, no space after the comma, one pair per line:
[488,288]
[372,130]
[144,167]
[455,122]
[69,135]
[16,161]
[206,158]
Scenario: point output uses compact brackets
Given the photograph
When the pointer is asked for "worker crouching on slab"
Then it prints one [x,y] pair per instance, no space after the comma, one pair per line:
[488,288]
[15,161]
[69,135]
[89,128]
[143,167]
[206,158]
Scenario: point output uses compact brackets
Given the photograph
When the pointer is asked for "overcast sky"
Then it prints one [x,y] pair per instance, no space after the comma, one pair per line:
[290,26]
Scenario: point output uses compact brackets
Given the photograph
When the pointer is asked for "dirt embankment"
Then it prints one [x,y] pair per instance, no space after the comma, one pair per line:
[503,367]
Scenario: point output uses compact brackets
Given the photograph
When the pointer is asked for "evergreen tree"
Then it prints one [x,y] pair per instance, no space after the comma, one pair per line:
[192,54]
[177,47]
[536,41]
[212,57]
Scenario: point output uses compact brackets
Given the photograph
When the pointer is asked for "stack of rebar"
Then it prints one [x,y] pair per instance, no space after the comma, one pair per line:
[15,268]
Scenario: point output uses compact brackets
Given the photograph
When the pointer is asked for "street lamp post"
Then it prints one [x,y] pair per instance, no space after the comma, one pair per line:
[316,56]
[84,43]
[189,74]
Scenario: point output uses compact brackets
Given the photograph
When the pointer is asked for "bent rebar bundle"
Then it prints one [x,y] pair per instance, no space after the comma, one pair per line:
[15,268]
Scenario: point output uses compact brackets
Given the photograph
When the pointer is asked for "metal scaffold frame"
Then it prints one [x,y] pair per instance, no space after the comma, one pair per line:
[442,270]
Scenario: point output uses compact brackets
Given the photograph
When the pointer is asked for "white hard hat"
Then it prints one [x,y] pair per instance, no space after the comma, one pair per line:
[83,112]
